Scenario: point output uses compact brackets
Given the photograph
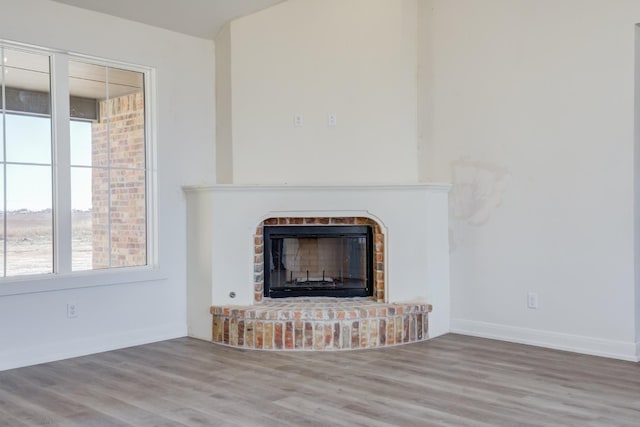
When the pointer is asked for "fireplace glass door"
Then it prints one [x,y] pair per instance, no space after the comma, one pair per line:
[335,261]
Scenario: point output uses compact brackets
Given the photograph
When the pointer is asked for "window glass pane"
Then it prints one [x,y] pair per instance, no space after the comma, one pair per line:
[112,145]
[80,139]
[29,220]
[3,73]
[101,255]
[128,218]
[126,118]
[81,219]
[3,59]
[87,80]
[113,99]
[88,91]
[27,98]
[28,139]
[2,215]
[1,135]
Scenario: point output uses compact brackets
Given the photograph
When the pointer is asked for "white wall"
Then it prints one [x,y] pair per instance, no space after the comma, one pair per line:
[34,327]
[354,58]
[425,90]
[636,187]
[199,264]
[224,139]
[533,124]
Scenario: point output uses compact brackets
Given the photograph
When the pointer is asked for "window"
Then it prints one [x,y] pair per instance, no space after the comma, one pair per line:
[74,182]
[107,167]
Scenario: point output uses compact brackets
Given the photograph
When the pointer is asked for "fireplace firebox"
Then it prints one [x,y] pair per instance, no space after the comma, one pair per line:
[329,261]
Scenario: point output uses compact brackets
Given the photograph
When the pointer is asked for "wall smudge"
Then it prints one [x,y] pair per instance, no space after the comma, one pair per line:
[478,188]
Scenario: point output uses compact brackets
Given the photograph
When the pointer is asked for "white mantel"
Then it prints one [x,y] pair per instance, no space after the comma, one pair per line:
[222,221]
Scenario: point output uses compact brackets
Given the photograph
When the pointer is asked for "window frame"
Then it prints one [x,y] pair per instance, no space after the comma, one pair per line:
[63,277]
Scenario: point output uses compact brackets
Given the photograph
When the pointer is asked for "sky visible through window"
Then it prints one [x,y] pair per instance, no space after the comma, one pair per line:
[28,140]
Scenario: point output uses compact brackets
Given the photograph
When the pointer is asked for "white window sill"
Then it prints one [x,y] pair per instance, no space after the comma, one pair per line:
[78,280]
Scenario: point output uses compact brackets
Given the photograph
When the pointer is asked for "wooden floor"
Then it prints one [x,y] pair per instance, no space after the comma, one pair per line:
[450,380]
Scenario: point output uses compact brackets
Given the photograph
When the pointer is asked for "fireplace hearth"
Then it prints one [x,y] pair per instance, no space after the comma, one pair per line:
[315,261]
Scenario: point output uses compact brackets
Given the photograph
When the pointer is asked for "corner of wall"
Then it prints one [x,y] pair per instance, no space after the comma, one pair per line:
[426,151]
[636,185]
[224,148]
[199,264]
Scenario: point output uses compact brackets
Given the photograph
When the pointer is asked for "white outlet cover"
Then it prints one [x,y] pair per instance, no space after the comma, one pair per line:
[532,300]
[72,310]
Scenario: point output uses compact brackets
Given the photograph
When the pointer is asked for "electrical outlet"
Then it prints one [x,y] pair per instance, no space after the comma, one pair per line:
[333,120]
[298,120]
[72,310]
[532,300]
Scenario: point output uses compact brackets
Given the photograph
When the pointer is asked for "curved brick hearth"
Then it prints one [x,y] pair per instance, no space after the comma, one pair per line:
[319,324]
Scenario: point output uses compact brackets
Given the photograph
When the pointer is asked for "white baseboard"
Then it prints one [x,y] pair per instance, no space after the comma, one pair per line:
[50,352]
[576,343]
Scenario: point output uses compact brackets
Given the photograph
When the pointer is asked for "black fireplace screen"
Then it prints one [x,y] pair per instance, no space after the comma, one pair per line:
[334,261]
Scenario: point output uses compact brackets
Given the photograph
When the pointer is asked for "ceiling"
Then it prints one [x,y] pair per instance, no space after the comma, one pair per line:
[199,18]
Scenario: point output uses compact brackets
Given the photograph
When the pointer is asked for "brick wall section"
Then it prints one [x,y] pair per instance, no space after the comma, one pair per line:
[118,141]
[320,324]
[378,248]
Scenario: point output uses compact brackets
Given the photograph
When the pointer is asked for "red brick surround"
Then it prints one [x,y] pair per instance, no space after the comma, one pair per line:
[320,324]
[378,256]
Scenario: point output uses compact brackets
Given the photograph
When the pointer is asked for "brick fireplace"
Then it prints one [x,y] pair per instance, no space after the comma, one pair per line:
[227,269]
[312,323]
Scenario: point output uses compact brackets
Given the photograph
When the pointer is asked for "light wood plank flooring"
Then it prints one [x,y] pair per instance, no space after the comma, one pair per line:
[451,380]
